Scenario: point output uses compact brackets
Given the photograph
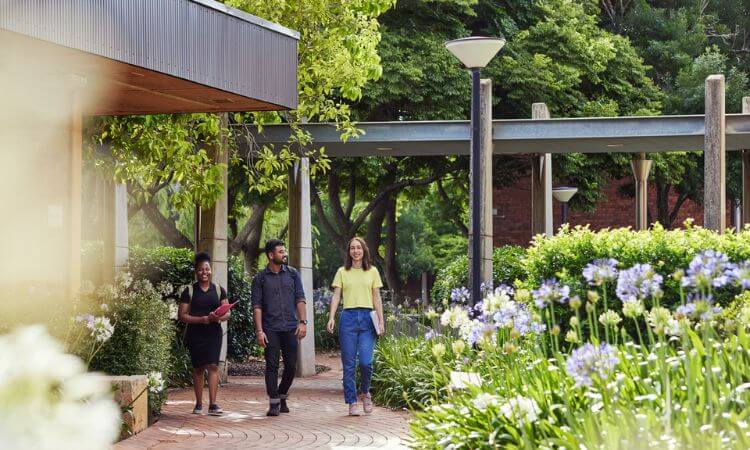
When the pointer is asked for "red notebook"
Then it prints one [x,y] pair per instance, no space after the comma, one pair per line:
[223,309]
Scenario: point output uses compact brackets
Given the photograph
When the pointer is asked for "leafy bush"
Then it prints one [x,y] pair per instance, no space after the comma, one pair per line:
[682,382]
[143,332]
[507,267]
[241,331]
[404,374]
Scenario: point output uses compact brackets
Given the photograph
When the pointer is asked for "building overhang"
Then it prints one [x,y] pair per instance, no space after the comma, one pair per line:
[152,56]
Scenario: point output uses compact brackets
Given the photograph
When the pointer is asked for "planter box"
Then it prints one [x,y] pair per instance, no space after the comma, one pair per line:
[127,390]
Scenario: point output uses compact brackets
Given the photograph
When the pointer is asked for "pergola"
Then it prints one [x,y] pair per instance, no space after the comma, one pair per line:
[541,136]
[65,59]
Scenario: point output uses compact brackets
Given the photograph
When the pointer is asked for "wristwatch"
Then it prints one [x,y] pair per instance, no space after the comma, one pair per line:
[303,322]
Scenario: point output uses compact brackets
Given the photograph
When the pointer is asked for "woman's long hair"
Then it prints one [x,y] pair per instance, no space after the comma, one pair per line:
[366,263]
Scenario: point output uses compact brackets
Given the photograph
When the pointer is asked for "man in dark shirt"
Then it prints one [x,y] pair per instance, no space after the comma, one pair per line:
[280,320]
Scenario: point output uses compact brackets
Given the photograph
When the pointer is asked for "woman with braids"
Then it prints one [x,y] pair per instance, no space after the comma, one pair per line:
[203,332]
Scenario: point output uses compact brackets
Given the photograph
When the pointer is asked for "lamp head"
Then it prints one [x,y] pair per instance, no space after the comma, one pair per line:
[564,193]
[475,52]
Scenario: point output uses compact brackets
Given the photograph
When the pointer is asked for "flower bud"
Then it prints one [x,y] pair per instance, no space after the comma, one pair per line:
[592,296]
[574,322]
[575,302]
[571,336]
[556,330]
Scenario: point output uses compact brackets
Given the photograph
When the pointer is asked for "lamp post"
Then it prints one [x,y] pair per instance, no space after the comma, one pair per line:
[563,194]
[475,53]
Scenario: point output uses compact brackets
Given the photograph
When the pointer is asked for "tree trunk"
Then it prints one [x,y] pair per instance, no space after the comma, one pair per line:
[375,232]
[390,269]
[166,227]
[248,239]
[662,202]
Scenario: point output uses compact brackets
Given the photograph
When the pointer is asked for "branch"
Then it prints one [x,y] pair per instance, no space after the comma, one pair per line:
[165,226]
[253,222]
[680,200]
[453,217]
[320,212]
[384,193]
[334,183]
[352,192]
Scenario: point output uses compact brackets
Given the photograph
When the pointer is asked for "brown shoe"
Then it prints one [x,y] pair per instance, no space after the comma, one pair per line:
[354,409]
[366,400]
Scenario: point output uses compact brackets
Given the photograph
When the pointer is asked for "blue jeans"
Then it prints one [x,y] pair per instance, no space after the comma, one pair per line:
[357,336]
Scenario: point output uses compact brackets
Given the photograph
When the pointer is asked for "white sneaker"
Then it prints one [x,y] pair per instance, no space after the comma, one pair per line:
[354,409]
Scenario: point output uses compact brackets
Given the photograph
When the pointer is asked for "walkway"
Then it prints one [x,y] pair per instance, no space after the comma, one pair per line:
[318,419]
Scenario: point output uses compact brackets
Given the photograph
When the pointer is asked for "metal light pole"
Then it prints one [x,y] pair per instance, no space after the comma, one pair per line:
[475,53]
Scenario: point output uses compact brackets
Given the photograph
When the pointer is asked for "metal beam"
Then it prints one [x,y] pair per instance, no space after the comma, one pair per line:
[587,135]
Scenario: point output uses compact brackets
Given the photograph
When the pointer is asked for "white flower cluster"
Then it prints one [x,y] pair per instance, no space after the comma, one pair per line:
[455,317]
[521,409]
[47,399]
[155,382]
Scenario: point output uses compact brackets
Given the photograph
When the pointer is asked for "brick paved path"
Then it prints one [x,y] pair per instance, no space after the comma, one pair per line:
[318,419]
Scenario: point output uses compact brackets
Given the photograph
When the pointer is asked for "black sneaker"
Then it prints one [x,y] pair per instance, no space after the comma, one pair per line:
[215,410]
[283,406]
[198,409]
[273,410]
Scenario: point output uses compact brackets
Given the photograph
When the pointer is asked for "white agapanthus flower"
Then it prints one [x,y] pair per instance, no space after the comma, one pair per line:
[47,399]
[495,302]
[101,328]
[155,382]
[454,317]
[485,400]
[521,409]
[173,310]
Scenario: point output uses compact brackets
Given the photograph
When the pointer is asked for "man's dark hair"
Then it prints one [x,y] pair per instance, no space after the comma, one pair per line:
[272,244]
[200,258]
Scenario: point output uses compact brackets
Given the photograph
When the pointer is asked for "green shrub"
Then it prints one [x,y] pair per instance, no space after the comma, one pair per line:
[162,264]
[143,332]
[241,332]
[507,267]
[566,254]
[405,374]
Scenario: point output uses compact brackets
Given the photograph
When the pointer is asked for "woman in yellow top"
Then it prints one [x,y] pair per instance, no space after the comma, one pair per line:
[361,321]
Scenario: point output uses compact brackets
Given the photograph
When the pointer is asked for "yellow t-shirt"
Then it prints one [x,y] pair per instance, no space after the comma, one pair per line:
[357,285]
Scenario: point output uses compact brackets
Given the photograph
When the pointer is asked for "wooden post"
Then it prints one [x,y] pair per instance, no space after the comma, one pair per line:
[485,173]
[541,183]
[116,230]
[212,235]
[714,191]
[745,173]
[300,256]
[641,167]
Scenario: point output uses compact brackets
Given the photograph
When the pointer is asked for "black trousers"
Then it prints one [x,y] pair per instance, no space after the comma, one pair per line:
[284,342]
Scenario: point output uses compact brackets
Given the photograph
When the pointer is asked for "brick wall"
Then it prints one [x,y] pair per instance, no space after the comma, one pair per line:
[512,215]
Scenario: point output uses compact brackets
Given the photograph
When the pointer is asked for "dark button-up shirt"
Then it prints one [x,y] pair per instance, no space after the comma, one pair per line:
[277,295]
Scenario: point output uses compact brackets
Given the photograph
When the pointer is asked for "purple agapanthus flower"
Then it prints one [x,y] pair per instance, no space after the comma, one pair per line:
[588,360]
[740,274]
[523,322]
[431,334]
[550,292]
[460,295]
[708,269]
[638,283]
[600,271]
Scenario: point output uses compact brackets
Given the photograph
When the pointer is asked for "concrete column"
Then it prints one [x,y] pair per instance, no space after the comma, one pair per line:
[212,237]
[641,167]
[714,154]
[300,256]
[745,172]
[541,183]
[485,155]
[116,231]
[76,181]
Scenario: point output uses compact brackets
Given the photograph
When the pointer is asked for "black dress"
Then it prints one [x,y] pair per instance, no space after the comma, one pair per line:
[203,341]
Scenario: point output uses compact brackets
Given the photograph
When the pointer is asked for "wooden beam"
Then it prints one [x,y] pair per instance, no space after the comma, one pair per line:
[714,154]
[541,183]
[746,172]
